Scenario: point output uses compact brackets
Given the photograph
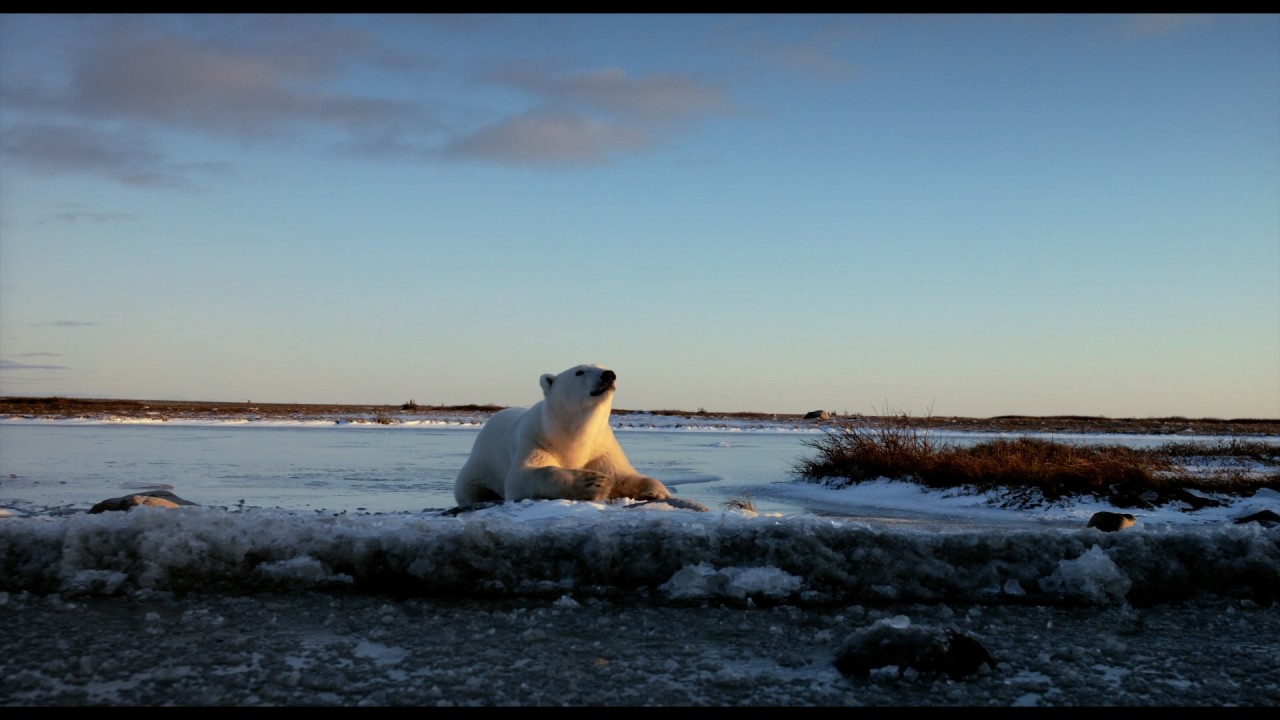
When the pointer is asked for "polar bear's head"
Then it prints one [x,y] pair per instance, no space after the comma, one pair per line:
[579,388]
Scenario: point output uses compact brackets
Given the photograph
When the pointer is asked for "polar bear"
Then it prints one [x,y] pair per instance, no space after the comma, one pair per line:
[561,448]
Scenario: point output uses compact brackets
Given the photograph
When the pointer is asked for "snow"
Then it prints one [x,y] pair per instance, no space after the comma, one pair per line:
[624,603]
[609,550]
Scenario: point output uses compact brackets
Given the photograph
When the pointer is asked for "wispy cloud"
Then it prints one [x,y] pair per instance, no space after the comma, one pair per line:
[587,117]
[818,54]
[127,157]
[293,80]
[14,365]
[1135,27]
[547,139]
[245,79]
[73,214]
[650,100]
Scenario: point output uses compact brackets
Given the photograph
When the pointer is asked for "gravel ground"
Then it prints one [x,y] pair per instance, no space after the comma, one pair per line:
[346,650]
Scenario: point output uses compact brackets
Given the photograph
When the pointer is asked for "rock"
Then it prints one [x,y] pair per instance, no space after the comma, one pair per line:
[1196,502]
[469,508]
[1266,518]
[896,642]
[817,415]
[150,498]
[1110,522]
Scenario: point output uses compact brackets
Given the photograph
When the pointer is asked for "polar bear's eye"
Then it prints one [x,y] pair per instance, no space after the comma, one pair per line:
[580,372]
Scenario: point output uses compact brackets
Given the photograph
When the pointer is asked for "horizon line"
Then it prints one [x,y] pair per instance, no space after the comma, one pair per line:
[671,411]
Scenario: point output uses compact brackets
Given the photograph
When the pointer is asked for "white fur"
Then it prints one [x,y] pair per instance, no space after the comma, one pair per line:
[562,447]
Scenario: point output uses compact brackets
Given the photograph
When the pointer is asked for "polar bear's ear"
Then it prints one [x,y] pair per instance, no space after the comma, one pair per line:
[546,381]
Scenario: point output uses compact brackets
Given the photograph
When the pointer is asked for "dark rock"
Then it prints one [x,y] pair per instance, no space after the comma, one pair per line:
[455,511]
[150,498]
[1110,522]
[925,649]
[1195,501]
[1266,518]
[817,415]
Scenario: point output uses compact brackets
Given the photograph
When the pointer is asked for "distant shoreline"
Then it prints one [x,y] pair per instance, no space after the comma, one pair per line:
[87,408]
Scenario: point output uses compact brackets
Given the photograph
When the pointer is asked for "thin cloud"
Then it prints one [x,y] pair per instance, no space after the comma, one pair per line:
[261,78]
[241,79]
[125,157]
[819,55]
[9,365]
[246,94]
[72,215]
[72,323]
[547,139]
[652,100]
[587,118]
[1136,27]
[288,79]
[816,62]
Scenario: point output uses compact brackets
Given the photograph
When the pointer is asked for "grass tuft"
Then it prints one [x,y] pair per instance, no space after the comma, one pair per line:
[1028,471]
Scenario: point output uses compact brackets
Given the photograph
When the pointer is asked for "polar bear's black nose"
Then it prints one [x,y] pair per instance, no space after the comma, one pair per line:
[604,384]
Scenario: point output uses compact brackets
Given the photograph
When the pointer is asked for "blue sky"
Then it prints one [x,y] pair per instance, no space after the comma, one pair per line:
[965,215]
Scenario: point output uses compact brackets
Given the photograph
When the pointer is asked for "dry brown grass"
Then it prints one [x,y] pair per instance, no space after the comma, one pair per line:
[1027,471]
[742,503]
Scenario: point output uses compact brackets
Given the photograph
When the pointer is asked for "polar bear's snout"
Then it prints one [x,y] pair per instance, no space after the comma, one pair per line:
[605,383]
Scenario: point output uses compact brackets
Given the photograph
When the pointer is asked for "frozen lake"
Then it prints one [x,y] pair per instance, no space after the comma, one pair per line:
[348,468]
[57,467]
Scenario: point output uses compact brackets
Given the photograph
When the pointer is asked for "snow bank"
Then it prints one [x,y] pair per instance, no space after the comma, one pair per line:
[608,551]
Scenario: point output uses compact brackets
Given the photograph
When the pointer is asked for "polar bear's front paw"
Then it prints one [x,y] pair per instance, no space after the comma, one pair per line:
[646,488]
[591,485]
